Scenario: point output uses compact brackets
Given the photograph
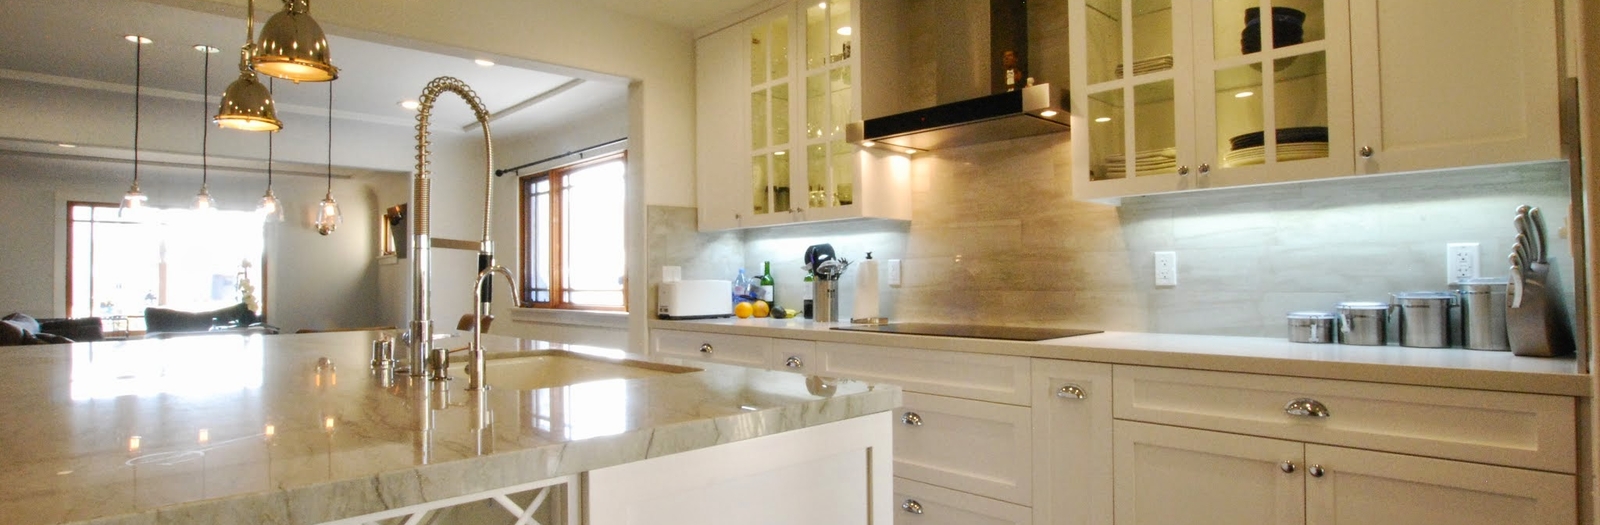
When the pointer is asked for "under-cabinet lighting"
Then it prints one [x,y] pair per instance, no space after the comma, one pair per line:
[484,63]
[65,145]
[868,143]
[409,104]
[1103,119]
[1047,113]
[136,39]
[910,151]
[1244,94]
[844,31]
[823,5]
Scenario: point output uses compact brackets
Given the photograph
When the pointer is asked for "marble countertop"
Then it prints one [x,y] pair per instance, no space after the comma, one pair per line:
[1447,367]
[245,429]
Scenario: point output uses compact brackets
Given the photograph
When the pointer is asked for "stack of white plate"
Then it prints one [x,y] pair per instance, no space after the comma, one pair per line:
[1286,152]
[1144,161]
[1148,65]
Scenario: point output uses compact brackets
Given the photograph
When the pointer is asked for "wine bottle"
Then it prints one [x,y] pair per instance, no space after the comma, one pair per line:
[766,284]
[808,294]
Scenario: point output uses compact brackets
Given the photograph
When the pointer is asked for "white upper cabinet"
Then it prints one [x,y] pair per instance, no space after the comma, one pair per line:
[1226,93]
[774,94]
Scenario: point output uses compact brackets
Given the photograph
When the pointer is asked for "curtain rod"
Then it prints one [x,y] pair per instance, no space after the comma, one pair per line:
[580,151]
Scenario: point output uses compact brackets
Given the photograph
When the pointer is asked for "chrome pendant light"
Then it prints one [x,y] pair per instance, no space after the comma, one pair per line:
[134,200]
[328,216]
[203,200]
[293,47]
[247,104]
[270,209]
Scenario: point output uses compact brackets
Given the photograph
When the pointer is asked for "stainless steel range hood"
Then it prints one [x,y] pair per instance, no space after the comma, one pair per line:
[1030,111]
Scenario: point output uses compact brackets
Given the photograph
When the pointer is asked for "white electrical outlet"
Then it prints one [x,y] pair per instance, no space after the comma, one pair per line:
[1166,268]
[1461,261]
[893,266]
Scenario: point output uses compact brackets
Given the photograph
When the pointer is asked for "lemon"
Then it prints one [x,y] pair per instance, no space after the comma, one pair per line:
[742,310]
[762,310]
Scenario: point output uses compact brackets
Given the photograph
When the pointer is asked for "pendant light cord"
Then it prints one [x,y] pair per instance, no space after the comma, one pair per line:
[138,83]
[330,139]
[270,84]
[205,115]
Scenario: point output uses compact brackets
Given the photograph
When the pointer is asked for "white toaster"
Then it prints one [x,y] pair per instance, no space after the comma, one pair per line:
[694,299]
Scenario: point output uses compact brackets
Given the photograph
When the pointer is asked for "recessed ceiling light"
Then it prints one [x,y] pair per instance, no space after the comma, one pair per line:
[205,48]
[409,104]
[1047,113]
[136,39]
[845,31]
[823,5]
[484,63]
[910,151]
[868,143]
[1244,94]
[1103,119]
[65,145]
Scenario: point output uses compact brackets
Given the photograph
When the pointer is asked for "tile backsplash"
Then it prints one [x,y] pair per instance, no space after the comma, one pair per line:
[996,238]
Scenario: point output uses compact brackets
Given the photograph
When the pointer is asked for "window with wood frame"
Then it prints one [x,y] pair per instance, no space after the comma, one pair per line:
[573,252]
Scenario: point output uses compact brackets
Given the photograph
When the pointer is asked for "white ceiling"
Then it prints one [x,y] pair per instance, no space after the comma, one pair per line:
[79,43]
[685,14]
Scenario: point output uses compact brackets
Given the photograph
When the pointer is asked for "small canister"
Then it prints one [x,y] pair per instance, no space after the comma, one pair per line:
[1364,323]
[1424,318]
[1483,313]
[1311,327]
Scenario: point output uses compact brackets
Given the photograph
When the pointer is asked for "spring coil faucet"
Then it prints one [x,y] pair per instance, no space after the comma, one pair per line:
[421,347]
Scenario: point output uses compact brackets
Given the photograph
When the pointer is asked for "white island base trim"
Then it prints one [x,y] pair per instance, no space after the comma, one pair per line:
[566,512]
[838,473]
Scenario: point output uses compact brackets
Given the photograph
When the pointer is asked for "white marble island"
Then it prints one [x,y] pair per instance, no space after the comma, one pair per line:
[227,429]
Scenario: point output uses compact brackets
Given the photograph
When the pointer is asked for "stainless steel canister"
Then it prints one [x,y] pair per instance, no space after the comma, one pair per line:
[1311,327]
[1483,313]
[1364,323]
[1424,318]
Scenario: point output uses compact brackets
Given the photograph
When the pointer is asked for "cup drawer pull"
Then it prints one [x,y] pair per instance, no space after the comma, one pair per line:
[1306,407]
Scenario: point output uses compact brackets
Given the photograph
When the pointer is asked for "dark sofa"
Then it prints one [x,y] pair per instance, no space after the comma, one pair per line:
[21,329]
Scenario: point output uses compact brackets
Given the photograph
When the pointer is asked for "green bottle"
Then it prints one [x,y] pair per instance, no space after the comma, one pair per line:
[766,283]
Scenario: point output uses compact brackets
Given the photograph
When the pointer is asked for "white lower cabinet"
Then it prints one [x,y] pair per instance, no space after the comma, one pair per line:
[742,350]
[970,446]
[1173,475]
[1072,444]
[924,504]
[1355,487]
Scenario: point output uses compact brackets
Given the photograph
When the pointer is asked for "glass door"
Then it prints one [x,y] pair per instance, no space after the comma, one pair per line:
[1274,90]
[829,64]
[1133,90]
[771,162]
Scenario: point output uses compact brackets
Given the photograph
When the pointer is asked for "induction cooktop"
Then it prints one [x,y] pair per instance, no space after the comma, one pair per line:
[1008,333]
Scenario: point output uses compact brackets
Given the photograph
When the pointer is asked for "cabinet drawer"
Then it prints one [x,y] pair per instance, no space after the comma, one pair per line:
[1503,428]
[970,446]
[939,506]
[997,378]
[721,348]
[1358,487]
[793,355]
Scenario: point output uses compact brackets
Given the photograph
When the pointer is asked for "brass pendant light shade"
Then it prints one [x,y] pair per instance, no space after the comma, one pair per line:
[247,104]
[293,47]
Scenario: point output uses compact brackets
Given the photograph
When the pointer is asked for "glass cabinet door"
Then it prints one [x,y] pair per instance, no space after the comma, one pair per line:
[1135,105]
[1273,88]
[830,104]
[770,162]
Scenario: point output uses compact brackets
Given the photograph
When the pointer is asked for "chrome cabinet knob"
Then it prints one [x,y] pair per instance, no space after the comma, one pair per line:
[1205,168]
[705,348]
[793,362]
[1315,471]
[911,506]
[1366,152]
[911,418]
[1071,392]
[1287,467]
[1183,170]
[1306,407]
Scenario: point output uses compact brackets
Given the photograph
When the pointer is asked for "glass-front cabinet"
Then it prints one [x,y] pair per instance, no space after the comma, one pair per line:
[797,67]
[1191,94]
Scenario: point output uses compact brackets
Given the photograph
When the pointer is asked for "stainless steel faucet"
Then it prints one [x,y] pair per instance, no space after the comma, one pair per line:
[476,379]
[422,241]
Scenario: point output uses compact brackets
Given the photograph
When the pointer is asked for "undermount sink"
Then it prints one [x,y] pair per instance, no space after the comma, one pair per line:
[557,368]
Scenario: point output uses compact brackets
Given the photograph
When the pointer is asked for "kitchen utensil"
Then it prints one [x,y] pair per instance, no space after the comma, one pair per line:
[1424,318]
[1534,324]
[1526,238]
[1518,279]
[1521,250]
[1364,323]
[825,299]
[1483,313]
[1311,327]
[1536,225]
[816,254]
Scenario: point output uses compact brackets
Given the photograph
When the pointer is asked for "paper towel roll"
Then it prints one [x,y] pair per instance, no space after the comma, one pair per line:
[866,290]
